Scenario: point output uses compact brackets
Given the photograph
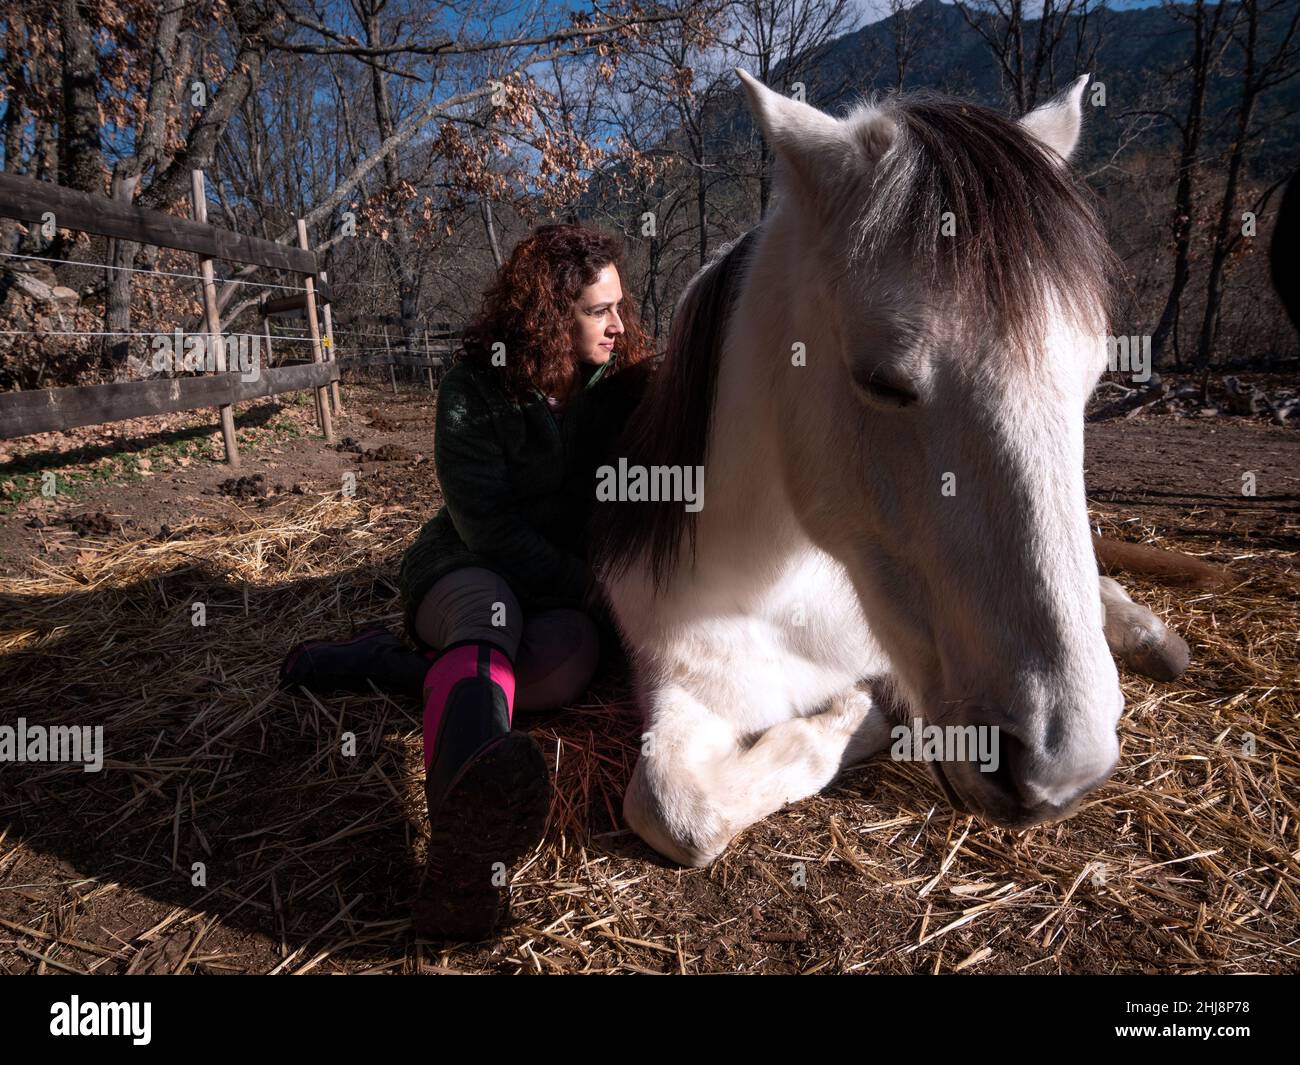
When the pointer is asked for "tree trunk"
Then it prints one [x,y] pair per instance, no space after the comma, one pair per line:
[161,79]
[1202,50]
[11,134]
[117,305]
[489,226]
[1223,242]
[651,297]
[80,165]
[1222,239]
[702,207]
[251,23]
[401,251]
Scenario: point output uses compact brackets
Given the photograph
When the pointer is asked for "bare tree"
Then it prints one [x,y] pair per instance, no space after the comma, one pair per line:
[913,26]
[1026,48]
[1210,36]
[782,42]
[1265,38]
[80,163]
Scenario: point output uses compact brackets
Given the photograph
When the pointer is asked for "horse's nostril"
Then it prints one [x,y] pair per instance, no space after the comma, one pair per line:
[1010,782]
[1004,776]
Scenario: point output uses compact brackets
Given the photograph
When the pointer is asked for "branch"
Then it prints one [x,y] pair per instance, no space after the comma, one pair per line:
[451,47]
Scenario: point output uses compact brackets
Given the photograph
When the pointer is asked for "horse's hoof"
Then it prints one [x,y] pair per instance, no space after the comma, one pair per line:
[1165,658]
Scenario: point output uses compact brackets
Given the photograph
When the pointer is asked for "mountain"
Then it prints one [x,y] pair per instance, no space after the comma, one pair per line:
[1140,58]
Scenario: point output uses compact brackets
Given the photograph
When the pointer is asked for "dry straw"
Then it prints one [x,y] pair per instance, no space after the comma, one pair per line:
[1186,861]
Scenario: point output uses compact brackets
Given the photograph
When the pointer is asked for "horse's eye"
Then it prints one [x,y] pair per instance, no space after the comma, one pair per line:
[885,388]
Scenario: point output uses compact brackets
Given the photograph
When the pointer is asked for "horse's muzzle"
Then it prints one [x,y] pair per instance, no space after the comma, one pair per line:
[997,799]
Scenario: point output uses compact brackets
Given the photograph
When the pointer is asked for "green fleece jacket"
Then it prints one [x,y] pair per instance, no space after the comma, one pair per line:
[518,484]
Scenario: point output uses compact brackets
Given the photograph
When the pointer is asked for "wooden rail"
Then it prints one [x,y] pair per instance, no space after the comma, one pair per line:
[46,410]
[51,409]
[29,201]
[363,361]
[294,304]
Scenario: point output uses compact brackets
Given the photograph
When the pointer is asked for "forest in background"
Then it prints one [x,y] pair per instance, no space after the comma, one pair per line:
[420,141]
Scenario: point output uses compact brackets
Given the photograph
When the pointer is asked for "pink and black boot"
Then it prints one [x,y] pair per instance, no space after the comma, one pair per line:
[487,788]
[373,657]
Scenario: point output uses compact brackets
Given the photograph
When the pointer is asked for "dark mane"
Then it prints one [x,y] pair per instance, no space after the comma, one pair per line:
[1025,226]
[670,426]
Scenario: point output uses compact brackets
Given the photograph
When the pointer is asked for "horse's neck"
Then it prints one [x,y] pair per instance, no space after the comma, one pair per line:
[746,523]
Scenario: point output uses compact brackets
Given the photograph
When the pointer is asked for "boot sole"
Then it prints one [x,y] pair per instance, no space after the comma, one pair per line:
[494,813]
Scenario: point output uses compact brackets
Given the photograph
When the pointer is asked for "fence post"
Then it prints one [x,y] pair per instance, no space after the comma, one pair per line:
[428,357]
[199,208]
[121,254]
[332,355]
[322,393]
[266,330]
[392,376]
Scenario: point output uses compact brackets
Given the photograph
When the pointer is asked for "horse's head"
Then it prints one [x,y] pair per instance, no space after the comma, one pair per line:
[942,327]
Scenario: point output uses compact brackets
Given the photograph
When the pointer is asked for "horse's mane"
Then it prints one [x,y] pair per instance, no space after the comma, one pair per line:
[670,426]
[1025,233]
[1026,230]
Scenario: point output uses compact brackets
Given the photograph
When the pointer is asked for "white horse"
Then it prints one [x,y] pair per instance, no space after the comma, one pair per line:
[885,384]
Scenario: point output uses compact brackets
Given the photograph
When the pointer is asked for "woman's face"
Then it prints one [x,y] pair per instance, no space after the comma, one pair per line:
[596,321]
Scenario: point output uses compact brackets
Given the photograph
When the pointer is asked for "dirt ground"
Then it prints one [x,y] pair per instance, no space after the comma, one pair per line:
[312,858]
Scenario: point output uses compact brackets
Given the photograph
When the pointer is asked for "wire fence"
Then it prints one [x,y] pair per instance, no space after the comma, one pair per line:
[148,272]
[436,348]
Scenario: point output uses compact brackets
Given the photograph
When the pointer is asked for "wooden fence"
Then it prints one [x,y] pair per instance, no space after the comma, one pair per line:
[54,409]
[433,357]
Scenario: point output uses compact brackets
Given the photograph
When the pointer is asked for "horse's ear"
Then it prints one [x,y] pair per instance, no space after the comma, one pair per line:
[1057,123]
[813,144]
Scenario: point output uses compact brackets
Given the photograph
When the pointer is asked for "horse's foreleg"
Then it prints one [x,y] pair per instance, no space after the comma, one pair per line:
[1141,640]
[862,720]
[697,785]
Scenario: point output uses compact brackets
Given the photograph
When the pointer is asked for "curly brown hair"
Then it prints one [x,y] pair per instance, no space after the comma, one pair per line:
[529,309]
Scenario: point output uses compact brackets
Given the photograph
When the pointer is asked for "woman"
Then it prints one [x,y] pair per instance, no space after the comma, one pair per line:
[496,591]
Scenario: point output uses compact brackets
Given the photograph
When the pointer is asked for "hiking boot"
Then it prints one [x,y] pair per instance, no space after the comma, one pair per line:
[372,653]
[487,789]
